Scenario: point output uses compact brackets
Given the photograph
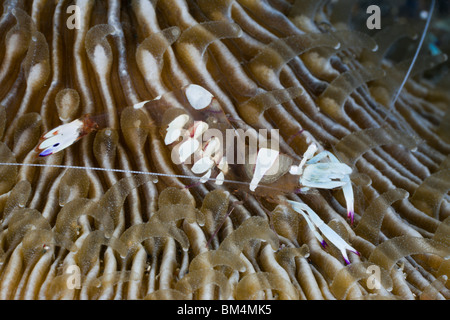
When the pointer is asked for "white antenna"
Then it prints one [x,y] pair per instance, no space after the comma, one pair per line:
[422,38]
[156,174]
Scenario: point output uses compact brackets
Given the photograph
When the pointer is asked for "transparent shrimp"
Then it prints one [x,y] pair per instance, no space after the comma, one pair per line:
[174,114]
[195,129]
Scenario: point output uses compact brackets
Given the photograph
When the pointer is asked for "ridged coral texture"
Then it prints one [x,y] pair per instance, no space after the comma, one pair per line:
[112,216]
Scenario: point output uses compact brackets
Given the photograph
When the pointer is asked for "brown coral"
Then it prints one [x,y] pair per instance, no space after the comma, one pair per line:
[70,232]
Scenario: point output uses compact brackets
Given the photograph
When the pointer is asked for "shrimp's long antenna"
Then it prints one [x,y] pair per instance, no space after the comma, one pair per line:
[156,174]
[422,39]
[109,170]
[391,108]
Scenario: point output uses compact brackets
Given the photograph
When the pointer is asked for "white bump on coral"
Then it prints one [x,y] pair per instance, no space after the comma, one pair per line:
[187,148]
[220,179]
[202,165]
[264,161]
[174,130]
[198,97]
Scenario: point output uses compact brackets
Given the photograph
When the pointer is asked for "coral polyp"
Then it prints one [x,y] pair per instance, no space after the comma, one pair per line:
[115,184]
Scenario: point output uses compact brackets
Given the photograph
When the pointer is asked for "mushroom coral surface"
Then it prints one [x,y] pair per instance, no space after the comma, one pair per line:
[112,216]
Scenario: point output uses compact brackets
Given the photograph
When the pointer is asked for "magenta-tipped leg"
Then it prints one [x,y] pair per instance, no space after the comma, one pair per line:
[351,216]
